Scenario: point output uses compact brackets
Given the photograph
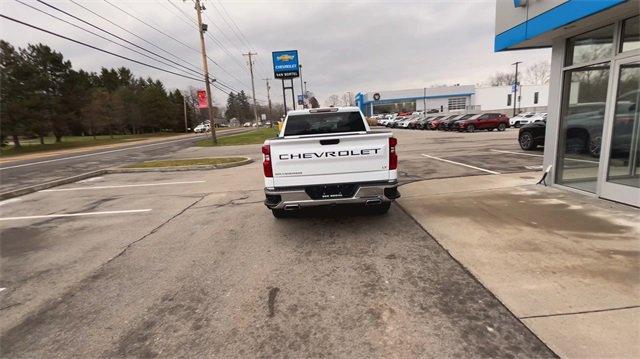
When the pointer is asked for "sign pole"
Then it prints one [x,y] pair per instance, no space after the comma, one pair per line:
[293,94]
[284,98]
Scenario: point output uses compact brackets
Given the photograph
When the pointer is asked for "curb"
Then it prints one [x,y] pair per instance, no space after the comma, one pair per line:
[245,161]
[46,185]
[72,179]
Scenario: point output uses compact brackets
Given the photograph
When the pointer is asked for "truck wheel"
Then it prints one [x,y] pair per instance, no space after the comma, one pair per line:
[501,126]
[526,141]
[381,209]
[279,213]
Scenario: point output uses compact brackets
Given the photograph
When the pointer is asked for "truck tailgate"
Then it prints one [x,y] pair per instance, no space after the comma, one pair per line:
[330,159]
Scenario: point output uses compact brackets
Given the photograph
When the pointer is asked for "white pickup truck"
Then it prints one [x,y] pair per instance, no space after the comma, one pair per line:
[326,157]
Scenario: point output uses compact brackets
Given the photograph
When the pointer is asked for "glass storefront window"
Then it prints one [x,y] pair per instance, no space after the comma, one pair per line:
[630,34]
[583,108]
[624,158]
[590,46]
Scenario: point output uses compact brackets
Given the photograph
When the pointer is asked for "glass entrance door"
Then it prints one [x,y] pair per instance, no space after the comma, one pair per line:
[621,172]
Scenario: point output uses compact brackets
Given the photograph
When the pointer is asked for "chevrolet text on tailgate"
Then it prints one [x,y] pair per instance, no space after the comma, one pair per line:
[329,156]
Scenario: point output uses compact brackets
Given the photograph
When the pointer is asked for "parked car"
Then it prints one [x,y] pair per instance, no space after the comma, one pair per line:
[450,123]
[426,123]
[396,121]
[526,118]
[531,135]
[486,121]
[437,124]
[246,124]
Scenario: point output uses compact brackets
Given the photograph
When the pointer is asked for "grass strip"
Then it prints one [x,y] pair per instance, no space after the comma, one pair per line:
[247,138]
[186,162]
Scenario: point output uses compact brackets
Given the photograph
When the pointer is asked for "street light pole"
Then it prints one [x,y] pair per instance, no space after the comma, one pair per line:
[205,67]
[515,87]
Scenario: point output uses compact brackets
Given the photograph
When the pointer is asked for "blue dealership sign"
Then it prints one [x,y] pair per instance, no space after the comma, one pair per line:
[285,64]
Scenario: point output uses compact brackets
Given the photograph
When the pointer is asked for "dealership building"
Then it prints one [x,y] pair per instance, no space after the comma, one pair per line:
[592,132]
[468,98]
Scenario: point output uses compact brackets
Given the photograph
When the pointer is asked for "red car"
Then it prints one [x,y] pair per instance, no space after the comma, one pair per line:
[486,121]
[435,124]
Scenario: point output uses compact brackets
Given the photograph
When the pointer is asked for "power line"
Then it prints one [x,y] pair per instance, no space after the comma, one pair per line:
[130,32]
[220,44]
[98,49]
[114,35]
[241,35]
[171,37]
[100,36]
[151,26]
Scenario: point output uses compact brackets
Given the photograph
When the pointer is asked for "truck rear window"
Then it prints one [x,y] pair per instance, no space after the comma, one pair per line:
[320,123]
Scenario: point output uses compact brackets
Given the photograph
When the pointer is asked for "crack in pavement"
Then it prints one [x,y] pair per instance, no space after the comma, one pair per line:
[232,202]
[580,312]
[157,228]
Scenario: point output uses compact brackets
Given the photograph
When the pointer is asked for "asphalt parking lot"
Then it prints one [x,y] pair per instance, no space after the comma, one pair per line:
[192,264]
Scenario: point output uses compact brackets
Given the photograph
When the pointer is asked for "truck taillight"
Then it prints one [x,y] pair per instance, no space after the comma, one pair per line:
[266,161]
[393,156]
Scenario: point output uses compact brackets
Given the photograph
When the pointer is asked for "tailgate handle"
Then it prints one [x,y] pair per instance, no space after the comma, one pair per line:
[330,142]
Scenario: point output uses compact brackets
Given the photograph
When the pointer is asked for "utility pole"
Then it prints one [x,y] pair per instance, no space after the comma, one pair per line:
[304,105]
[269,101]
[184,103]
[202,28]
[515,87]
[253,87]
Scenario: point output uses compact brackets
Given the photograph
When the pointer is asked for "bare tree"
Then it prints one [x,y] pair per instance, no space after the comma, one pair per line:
[346,99]
[538,73]
[332,101]
[501,79]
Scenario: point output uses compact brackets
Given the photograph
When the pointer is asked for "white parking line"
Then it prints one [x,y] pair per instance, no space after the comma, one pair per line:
[533,154]
[462,164]
[74,214]
[120,186]
[518,153]
[10,200]
[97,153]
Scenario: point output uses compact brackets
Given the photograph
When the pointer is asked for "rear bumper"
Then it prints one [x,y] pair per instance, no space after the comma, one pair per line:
[369,193]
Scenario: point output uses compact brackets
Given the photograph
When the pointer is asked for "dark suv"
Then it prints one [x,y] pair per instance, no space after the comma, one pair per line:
[487,121]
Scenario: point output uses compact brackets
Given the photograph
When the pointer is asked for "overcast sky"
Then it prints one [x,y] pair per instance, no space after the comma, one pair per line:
[343,45]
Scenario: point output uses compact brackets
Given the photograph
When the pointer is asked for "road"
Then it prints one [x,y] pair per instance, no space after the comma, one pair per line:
[24,173]
[191,264]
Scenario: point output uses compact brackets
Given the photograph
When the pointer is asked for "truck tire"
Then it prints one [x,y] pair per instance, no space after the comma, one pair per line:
[526,141]
[279,213]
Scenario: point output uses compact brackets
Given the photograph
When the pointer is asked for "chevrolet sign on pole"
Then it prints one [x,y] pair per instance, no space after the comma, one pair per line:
[285,64]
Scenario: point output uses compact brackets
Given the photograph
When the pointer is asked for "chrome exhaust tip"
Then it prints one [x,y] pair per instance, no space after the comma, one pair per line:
[291,207]
[373,202]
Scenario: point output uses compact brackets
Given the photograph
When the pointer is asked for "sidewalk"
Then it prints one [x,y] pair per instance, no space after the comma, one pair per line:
[565,264]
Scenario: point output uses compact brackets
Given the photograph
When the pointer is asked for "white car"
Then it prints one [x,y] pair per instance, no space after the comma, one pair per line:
[526,118]
[327,157]
[201,128]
